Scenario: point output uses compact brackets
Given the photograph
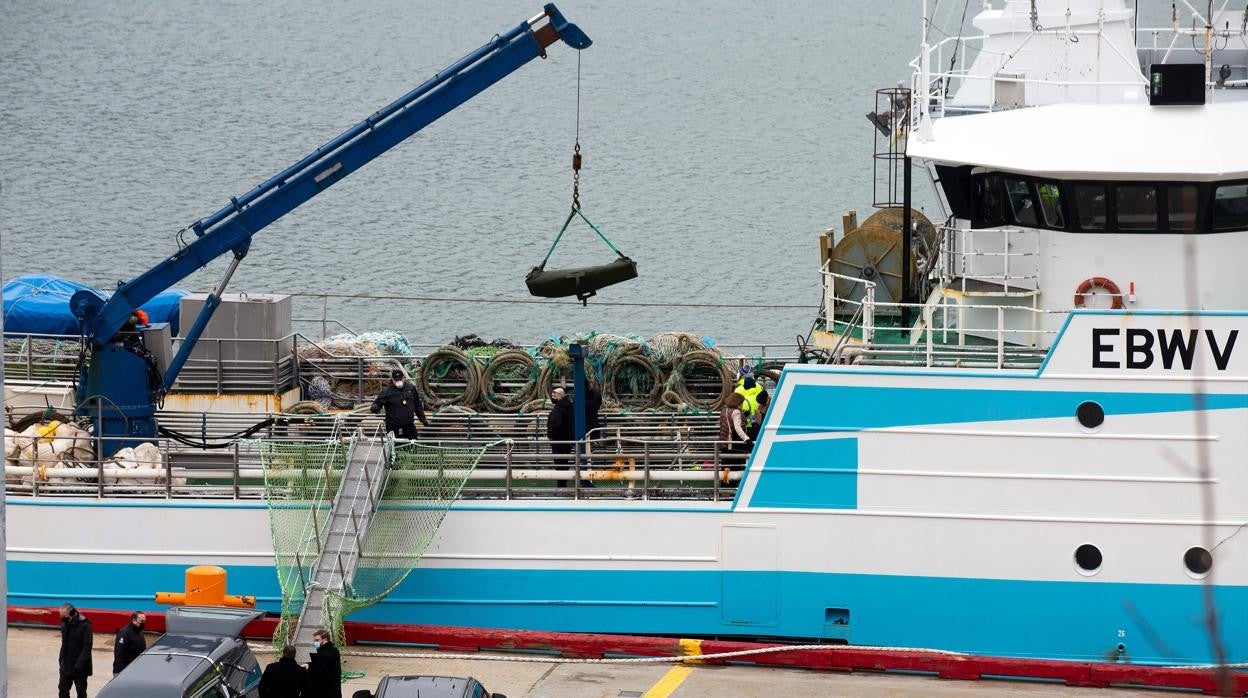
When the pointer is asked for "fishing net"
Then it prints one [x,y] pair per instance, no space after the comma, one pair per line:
[300,480]
[421,484]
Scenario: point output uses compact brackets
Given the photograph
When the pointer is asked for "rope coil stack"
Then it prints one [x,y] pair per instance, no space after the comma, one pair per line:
[678,371]
[669,371]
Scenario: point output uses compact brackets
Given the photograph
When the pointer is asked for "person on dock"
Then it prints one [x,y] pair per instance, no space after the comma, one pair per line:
[75,657]
[129,642]
[325,669]
[402,404]
[284,678]
[732,426]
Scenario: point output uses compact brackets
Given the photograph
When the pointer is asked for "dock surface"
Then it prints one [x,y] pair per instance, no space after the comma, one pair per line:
[33,652]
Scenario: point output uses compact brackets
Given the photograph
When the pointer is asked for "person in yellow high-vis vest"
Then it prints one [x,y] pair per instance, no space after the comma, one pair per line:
[749,389]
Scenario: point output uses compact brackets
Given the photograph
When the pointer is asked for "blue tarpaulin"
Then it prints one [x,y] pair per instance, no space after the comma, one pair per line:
[39,304]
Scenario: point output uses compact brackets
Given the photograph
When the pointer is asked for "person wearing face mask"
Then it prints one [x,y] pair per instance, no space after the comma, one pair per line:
[129,643]
[75,657]
[325,669]
[402,404]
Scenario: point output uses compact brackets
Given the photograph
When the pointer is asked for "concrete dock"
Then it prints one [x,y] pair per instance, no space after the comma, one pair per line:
[33,652]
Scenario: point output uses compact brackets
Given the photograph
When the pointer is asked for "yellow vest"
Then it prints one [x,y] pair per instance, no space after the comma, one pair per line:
[750,408]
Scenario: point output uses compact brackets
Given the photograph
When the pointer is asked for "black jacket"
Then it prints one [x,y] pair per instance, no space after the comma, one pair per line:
[284,679]
[129,644]
[325,674]
[402,405]
[559,424]
[75,659]
[593,404]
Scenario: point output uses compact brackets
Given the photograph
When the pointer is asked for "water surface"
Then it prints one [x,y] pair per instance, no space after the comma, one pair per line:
[720,139]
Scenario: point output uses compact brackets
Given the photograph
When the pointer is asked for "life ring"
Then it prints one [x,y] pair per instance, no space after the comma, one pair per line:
[1098,282]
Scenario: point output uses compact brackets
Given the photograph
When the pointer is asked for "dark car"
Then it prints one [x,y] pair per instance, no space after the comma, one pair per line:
[200,656]
[428,687]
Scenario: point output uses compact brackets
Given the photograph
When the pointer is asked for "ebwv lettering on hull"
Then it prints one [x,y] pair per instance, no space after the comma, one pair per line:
[1174,349]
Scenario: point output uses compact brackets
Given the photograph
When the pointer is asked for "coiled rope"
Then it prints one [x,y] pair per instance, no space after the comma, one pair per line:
[438,366]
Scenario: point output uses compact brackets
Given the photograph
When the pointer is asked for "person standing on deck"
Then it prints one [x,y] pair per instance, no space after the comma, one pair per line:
[756,426]
[593,405]
[325,669]
[75,657]
[129,642]
[732,425]
[559,429]
[749,390]
[402,404]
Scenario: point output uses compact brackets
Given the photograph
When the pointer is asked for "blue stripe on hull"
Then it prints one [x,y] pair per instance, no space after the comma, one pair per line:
[1062,620]
[819,408]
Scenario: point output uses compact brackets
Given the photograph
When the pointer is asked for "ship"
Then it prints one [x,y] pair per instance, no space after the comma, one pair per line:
[1017,431]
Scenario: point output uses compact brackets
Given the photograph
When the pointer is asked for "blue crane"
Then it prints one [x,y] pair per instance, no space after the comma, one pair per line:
[119,385]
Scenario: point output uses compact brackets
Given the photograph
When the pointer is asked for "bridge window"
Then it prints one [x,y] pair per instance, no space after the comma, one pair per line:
[1090,206]
[1021,203]
[1137,207]
[990,200]
[1230,207]
[1182,202]
[1051,204]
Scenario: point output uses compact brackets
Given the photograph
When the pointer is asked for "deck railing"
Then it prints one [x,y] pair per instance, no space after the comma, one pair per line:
[949,61]
[611,463]
[981,310]
[271,366]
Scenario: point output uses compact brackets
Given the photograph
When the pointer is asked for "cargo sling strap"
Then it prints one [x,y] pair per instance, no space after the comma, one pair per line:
[581,282]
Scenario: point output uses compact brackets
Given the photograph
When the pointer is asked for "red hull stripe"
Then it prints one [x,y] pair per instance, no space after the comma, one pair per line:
[587,645]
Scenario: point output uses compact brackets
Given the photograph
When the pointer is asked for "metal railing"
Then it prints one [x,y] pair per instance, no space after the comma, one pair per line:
[273,366]
[998,265]
[977,260]
[659,457]
[1187,41]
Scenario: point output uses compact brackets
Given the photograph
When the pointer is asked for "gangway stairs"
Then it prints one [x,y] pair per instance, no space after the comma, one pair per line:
[350,516]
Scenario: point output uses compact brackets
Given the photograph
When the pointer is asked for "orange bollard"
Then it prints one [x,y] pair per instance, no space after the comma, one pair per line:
[205,586]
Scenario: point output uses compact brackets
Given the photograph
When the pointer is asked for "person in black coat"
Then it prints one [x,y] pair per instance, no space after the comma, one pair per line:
[593,405]
[559,429]
[75,658]
[325,669]
[129,643]
[284,678]
[402,404]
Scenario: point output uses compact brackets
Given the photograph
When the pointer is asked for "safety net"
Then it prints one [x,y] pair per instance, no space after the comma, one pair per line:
[421,484]
[300,479]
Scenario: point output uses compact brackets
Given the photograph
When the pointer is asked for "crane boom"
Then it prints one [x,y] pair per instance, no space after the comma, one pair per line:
[120,380]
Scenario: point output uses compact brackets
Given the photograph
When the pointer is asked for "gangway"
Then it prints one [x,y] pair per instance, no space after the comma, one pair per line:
[350,517]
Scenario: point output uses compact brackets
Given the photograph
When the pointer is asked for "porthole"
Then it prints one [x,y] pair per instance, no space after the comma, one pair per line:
[1088,558]
[1198,561]
[1090,415]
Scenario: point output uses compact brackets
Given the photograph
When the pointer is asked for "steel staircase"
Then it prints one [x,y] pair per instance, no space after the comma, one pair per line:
[347,529]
